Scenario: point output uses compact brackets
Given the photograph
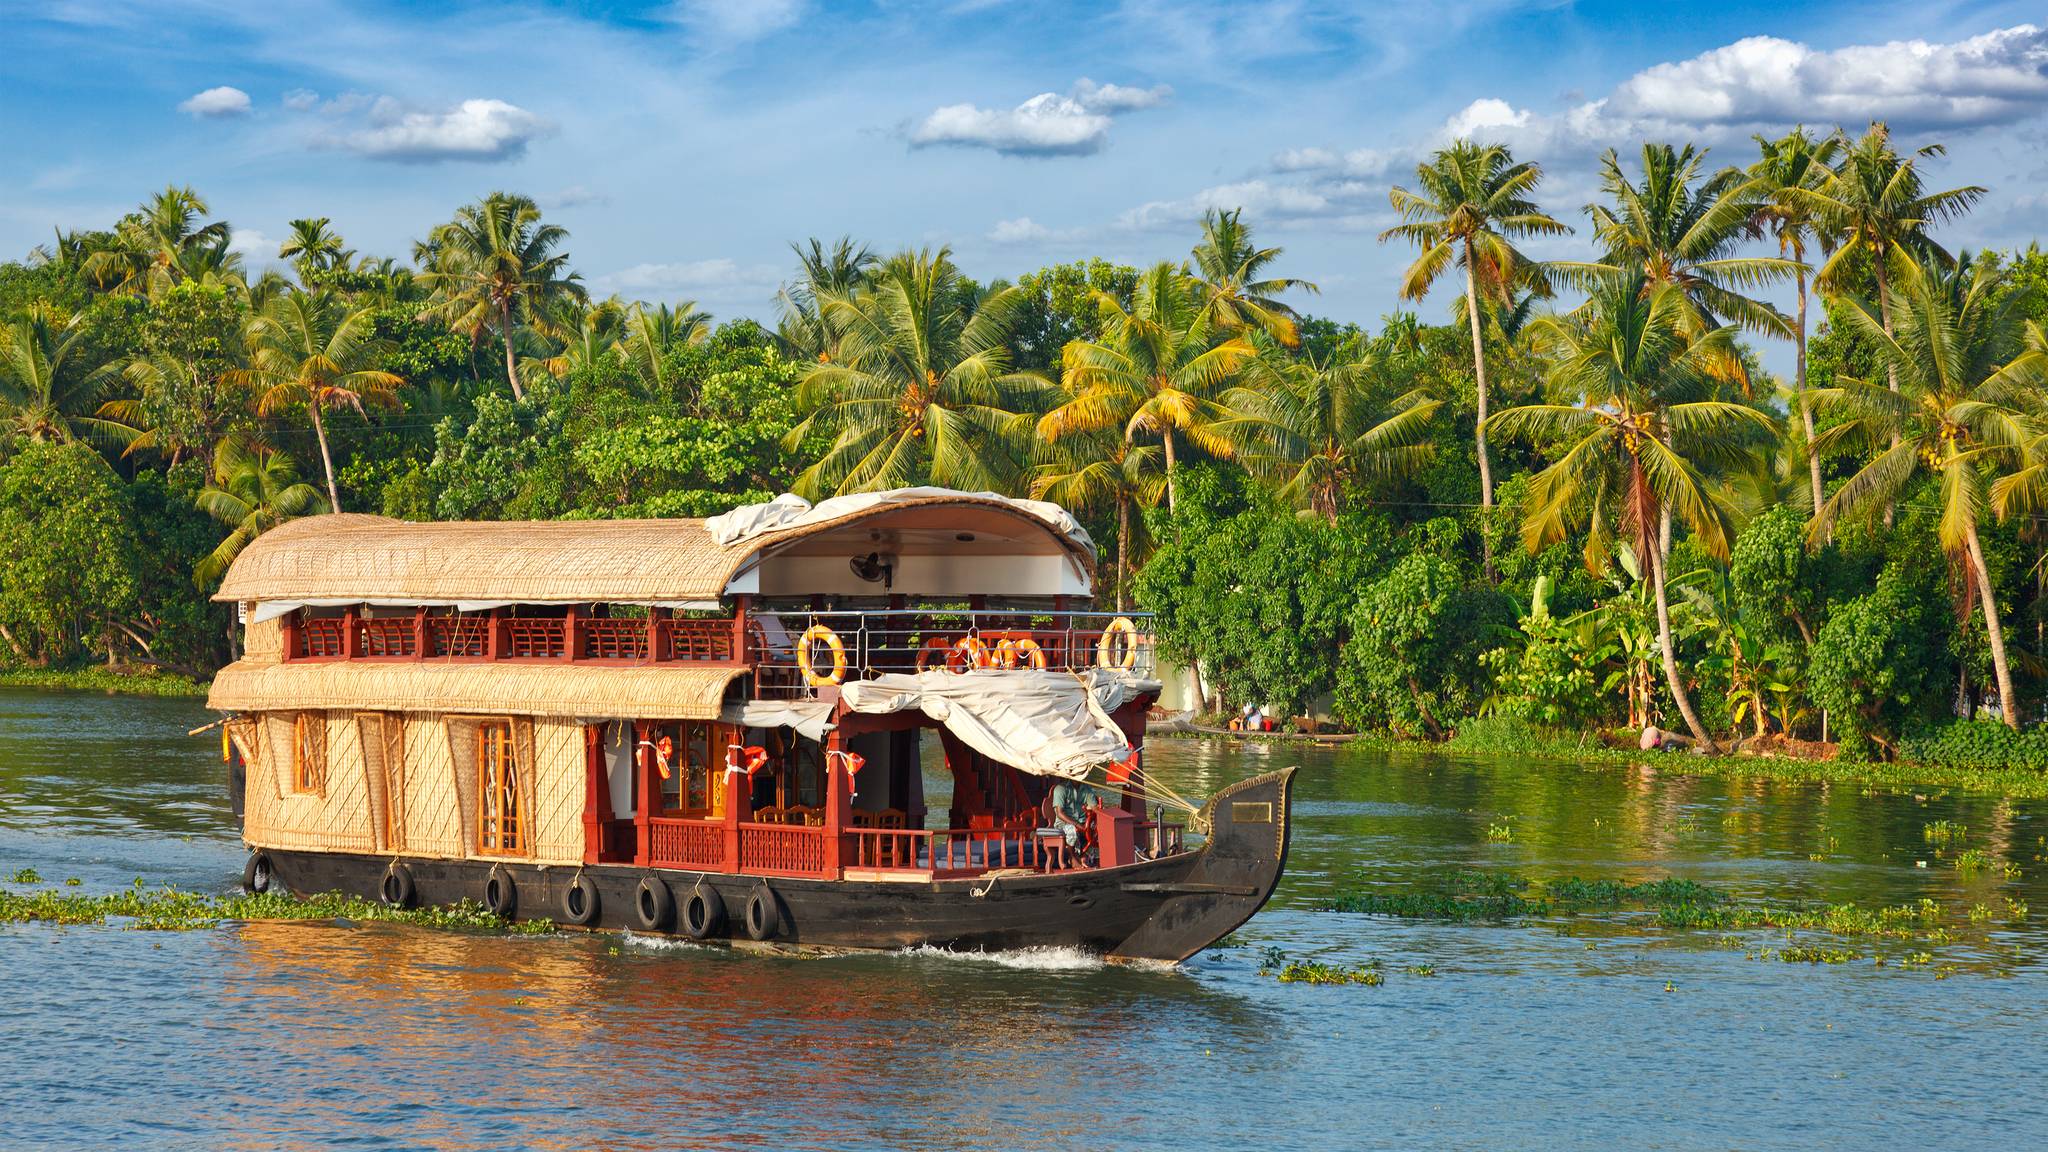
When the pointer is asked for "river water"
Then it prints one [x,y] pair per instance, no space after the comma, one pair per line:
[1589,1031]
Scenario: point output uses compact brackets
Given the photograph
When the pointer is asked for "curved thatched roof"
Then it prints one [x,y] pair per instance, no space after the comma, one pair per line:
[352,557]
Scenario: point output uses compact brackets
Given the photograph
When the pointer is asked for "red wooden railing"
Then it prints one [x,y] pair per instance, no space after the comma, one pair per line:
[782,848]
[694,844]
[612,639]
[536,638]
[463,636]
[386,638]
[709,640]
[323,637]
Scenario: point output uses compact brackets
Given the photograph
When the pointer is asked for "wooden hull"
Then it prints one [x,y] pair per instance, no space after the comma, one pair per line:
[1165,910]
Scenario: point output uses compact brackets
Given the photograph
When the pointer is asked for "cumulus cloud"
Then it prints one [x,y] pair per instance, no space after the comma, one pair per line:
[1048,124]
[1022,230]
[738,21]
[478,130]
[714,280]
[217,103]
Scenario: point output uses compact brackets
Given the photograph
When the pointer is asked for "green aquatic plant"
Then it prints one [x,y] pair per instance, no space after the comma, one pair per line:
[171,909]
[1500,833]
[27,876]
[1316,972]
[1972,860]
[1944,833]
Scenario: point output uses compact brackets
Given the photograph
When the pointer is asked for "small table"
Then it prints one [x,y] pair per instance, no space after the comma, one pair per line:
[1052,847]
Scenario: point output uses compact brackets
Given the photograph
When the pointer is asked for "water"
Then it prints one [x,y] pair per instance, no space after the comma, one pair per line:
[1550,1035]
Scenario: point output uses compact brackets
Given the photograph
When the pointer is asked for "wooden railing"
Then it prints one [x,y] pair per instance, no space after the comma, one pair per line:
[536,637]
[387,637]
[612,639]
[500,635]
[782,848]
[957,851]
[323,638]
[466,636]
[698,845]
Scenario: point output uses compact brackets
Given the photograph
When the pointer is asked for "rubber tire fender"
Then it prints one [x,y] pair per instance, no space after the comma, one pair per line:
[654,906]
[580,905]
[703,913]
[501,895]
[397,888]
[764,913]
[259,873]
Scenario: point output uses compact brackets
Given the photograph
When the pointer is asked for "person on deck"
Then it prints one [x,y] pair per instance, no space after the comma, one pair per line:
[1070,803]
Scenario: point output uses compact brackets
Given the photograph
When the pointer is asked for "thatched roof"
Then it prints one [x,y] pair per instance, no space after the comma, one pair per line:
[670,692]
[350,557]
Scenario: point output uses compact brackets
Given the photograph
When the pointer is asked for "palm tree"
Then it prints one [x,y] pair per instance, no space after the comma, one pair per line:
[1792,166]
[587,336]
[652,332]
[920,390]
[1875,204]
[1677,228]
[1320,430]
[314,248]
[1159,369]
[254,488]
[496,264]
[1969,371]
[44,395]
[1473,204]
[1628,452]
[310,348]
[837,272]
[177,406]
[1231,272]
[160,244]
[1089,471]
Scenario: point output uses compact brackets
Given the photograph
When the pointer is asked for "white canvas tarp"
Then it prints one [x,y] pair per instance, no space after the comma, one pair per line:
[811,718]
[790,511]
[1045,723]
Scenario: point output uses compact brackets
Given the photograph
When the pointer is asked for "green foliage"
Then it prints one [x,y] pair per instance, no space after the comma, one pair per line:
[1977,744]
[68,554]
[1878,665]
[1061,307]
[1411,663]
[1769,573]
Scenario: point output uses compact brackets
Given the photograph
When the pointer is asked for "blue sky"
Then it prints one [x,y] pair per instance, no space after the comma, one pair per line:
[685,144]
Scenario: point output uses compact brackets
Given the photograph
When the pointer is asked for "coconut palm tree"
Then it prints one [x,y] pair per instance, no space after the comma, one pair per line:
[311,348]
[1160,370]
[1626,451]
[254,488]
[1320,430]
[1473,204]
[178,406]
[1090,471]
[1231,272]
[920,389]
[45,394]
[1791,167]
[584,337]
[1679,227]
[314,248]
[652,332]
[836,272]
[494,265]
[1969,371]
[160,244]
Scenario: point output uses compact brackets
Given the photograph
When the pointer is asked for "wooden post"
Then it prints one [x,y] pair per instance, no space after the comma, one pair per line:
[741,604]
[494,635]
[419,633]
[292,634]
[351,640]
[597,794]
[838,805]
[734,784]
[654,618]
[571,645]
[650,793]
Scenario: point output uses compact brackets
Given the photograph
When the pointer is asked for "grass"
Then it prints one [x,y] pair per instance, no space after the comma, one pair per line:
[101,679]
[171,909]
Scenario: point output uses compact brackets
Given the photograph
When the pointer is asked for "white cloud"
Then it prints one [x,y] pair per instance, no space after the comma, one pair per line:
[301,99]
[716,280]
[251,244]
[217,103]
[574,196]
[1357,163]
[482,130]
[1262,199]
[1022,230]
[1048,124]
[728,22]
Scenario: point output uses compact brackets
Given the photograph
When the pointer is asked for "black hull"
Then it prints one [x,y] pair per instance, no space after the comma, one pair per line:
[1165,909]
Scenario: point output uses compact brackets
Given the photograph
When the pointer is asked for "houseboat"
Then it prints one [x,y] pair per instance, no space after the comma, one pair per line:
[714,728]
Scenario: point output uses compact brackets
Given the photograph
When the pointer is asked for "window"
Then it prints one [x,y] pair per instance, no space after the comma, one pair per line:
[694,753]
[309,752]
[502,822]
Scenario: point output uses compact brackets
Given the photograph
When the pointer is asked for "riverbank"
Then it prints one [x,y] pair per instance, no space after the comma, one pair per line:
[100,679]
[1492,740]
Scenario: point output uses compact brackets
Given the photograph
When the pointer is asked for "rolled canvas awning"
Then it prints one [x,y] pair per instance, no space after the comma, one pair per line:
[497,688]
[1045,723]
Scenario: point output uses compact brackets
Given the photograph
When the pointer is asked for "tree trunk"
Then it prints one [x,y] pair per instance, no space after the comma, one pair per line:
[1123,550]
[1166,435]
[326,461]
[1993,631]
[1805,408]
[1479,379]
[1678,696]
[1891,370]
[511,365]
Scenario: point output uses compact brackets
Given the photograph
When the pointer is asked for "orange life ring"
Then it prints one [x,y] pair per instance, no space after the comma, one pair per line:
[936,646]
[967,654]
[805,664]
[1022,650]
[1105,648]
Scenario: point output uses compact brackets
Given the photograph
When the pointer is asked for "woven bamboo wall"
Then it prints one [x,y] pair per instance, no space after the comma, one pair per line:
[438,800]
[263,643]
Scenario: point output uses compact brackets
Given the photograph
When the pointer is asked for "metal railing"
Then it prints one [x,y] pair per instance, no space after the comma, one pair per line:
[884,641]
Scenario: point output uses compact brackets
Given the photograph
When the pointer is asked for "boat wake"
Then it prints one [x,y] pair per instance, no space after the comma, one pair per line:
[1048,959]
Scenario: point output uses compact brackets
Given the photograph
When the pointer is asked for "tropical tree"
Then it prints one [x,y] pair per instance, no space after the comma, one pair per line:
[1969,371]
[1781,207]
[583,337]
[838,272]
[1625,451]
[495,265]
[920,389]
[160,244]
[1090,471]
[1474,202]
[1321,430]
[1160,369]
[253,489]
[47,397]
[314,249]
[1231,272]
[652,333]
[311,348]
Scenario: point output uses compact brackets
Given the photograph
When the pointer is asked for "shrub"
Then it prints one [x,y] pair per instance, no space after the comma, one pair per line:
[1977,744]
[1879,663]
